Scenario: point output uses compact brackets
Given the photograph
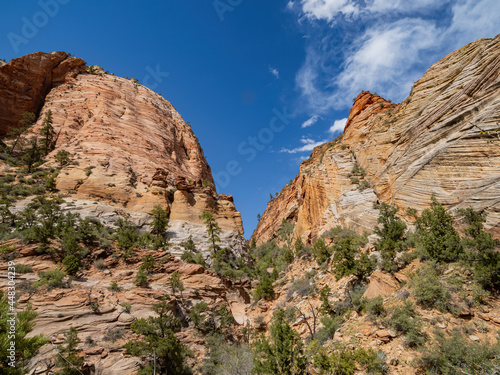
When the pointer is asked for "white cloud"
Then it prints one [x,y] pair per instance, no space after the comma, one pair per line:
[313,120]
[309,145]
[274,72]
[338,125]
[328,9]
[473,20]
[389,55]
[386,59]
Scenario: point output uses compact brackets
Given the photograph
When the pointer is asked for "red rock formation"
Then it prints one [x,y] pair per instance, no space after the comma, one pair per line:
[429,143]
[132,147]
[25,81]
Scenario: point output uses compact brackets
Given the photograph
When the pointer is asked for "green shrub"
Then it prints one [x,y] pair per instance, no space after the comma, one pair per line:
[141,278]
[175,283]
[127,236]
[304,287]
[26,347]
[363,185]
[100,264]
[114,286]
[199,317]
[22,268]
[51,278]
[437,235]
[127,307]
[62,157]
[320,251]
[264,289]
[158,335]
[282,352]
[339,362]
[189,244]
[481,250]
[346,250]
[148,263]
[71,264]
[392,231]
[357,170]
[457,354]
[69,243]
[375,307]
[330,326]
[405,320]
[114,334]
[428,289]
[372,362]
[188,257]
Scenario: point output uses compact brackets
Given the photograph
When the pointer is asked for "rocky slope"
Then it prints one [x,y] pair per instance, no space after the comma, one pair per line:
[130,149]
[431,143]
[59,309]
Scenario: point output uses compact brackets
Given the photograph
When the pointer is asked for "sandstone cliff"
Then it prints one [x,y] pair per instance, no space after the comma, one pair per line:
[129,148]
[428,144]
[26,81]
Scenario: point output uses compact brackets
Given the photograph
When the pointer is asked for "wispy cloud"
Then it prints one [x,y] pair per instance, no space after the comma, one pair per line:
[313,120]
[308,145]
[338,126]
[274,72]
[388,55]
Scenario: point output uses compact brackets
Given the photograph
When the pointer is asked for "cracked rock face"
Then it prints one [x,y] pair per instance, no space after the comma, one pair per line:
[26,81]
[129,148]
[428,144]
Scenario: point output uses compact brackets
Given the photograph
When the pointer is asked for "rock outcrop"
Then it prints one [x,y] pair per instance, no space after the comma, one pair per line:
[129,148]
[321,197]
[88,304]
[431,143]
[26,81]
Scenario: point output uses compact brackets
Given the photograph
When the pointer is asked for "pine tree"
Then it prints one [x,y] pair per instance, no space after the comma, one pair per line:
[28,119]
[392,232]
[159,226]
[481,250]
[159,336]
[437,234]
[47,133]
[25,348]
[32,155]
[213,230]
[176,283]
[67,357]
[283,352]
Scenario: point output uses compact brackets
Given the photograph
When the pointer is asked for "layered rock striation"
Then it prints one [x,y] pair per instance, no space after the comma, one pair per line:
[433,142]
[129,149]
[26,81]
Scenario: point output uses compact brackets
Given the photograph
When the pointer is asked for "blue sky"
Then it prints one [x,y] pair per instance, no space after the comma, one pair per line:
[261,82]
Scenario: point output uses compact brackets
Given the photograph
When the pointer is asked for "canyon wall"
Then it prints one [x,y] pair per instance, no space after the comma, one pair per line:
[434,142]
